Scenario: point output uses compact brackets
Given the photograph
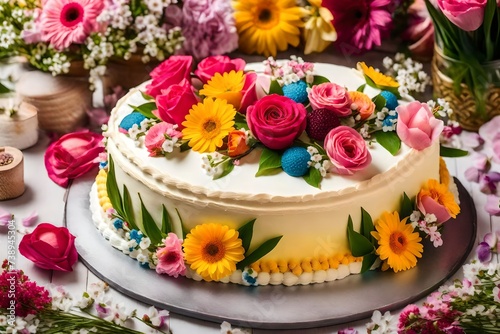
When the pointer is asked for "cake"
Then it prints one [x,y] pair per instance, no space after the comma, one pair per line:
[264,203]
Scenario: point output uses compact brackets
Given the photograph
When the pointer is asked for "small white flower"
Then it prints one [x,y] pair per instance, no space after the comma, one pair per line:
[145,243]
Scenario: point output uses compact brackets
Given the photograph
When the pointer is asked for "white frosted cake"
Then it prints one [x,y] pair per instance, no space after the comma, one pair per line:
[261,210]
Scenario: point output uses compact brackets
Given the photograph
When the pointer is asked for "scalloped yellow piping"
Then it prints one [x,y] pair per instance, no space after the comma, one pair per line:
[102,192]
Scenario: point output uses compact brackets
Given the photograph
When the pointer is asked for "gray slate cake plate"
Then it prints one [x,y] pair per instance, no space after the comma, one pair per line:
[272,307]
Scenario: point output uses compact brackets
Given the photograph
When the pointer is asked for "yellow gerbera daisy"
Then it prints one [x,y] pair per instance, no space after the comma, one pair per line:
[318,31]
[441,194]
[380,80]
[207,124]
[213,250]
[268,26]
[398,244]
[226,86]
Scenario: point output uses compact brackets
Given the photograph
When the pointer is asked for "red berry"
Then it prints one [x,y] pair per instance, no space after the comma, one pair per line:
[320,122]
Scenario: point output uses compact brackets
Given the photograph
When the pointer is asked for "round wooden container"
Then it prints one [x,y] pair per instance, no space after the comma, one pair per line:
[11,173]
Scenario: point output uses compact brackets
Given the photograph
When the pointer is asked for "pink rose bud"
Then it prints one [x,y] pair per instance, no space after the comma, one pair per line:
[347,150]
[170,72]
[276,121]
[468,15]
[218,64]
[417,127]
[50,247]
[331,96]
[175,102]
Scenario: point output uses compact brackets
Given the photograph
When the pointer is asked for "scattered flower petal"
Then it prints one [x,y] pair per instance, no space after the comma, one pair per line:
[31,219]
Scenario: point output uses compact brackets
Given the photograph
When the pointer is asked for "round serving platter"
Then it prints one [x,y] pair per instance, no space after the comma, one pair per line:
[272,307]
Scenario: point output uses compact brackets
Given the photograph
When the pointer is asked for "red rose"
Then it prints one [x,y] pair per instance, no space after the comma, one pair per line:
[170,72]
[175,102]
[72,156]
[50,247]
[218,64]
[276,121]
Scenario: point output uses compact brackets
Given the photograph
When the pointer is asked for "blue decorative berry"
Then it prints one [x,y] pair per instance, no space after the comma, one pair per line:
[103,164]
[131,119]
[391,101]
[249,276]
[389,121]
[136,235]
[294,161]
[118,223]
[144,265]
[296,91]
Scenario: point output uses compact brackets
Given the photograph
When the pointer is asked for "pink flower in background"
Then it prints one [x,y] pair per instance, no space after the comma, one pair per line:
[489,245]
[5,217]
[170,258]
[468,15]
[417,127]
[347,150]
[420,31]
[208,27]
[331,96]
[64,22]
[170,72]
[155,137]
[175,102]
[218,64]
[276,121]
[360,24]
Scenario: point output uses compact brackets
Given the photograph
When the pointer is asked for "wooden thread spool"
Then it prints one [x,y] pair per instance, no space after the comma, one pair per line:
[11,173]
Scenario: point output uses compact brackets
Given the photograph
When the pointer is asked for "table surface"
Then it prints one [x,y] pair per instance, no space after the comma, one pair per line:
[48,200]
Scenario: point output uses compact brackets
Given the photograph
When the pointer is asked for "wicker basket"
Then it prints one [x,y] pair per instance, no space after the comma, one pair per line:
[464,104]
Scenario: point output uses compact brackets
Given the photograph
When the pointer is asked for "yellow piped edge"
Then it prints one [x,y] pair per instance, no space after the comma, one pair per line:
[102,191]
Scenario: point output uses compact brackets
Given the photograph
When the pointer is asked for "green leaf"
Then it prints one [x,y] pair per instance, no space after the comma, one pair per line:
[379,101]
[359,244]
[257,254]
[245,233]
[146,109]
[269,163]
[128,210]
[150,228]
[389,140]
[361,88]
[184,230]
[313,177]
[227,167]
[166,225]
[368,261]
[4,89]
[113,191]
[451,152]
[318,79]
[275,88]
[185,146]
[240,121]
[489,14]
[406,207]
[147,97]
[366,224]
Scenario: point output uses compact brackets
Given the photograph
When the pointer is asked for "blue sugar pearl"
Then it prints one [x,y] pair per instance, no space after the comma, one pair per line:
[118,224]
[144,265]
[294,161]
[136,235]
[131,119]
[296,91]
[391,101]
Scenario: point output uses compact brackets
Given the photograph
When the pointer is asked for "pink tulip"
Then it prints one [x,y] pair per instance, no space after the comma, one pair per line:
[468,15]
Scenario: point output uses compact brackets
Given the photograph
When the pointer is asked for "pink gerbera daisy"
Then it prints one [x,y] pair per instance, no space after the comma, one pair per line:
[360,24]
[64,22]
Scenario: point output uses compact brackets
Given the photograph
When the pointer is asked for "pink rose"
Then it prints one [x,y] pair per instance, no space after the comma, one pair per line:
[249,92]
[276,121]
[156,136]
[170,72]
[468,15]
[170,258]
[50,247]
[72,156]
[347,150]
[175,102]
[417,127]
[331,96]
[218,64]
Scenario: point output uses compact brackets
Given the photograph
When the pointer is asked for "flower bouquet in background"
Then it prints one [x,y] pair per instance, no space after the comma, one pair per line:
[466,64]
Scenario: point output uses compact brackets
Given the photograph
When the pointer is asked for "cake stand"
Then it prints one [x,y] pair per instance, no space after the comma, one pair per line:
[272,307]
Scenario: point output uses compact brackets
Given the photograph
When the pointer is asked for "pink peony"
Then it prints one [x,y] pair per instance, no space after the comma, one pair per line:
[175,102]
[170,72]
[417,127]
[276,121]
[331,96]
[73,155]
[50,247]
[208,27]
[170,258]
[218,64]
[155,137]
[347,150]
[468,15]
[420,31]
[64,22]
[360,24]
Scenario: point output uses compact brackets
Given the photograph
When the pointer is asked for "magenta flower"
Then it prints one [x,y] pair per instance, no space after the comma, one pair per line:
[360,24]
[468,15]
[489,245]
[64,22]
[170,258]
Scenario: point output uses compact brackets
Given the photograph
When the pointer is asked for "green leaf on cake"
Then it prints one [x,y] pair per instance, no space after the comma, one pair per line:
[245,233]
[389,140]
[147,97]
[368,261]
[451,152]
[379,101]
[112,189]
[366,225]
[269,163]
[149,226]
[406,207]
[275,88]
[146,109]
[318,79]
[227,167]
[185,146]
[361,88]
[240,121]
[128,210]
[258,253]
[184,230]
[313,177]
[4,89]
[166,225]
[360,245]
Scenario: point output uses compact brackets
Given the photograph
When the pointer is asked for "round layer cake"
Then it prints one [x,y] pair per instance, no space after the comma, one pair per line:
[310,222]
